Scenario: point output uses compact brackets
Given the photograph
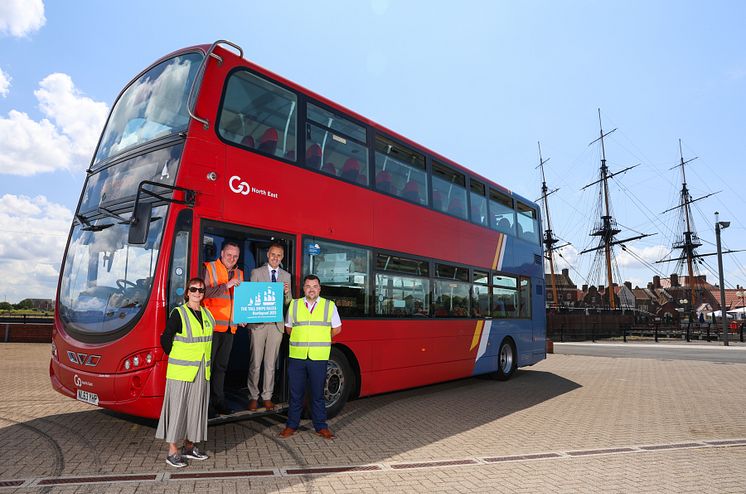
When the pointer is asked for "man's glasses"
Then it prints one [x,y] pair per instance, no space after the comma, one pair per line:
[194,289]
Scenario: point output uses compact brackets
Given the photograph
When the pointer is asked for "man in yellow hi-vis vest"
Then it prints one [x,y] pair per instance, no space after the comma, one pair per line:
[311,322]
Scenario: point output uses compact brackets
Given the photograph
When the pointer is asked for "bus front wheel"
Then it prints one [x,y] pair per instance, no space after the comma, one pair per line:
[340,381]
[506,360]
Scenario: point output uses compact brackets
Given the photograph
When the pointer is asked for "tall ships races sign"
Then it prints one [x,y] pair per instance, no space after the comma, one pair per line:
[257,301]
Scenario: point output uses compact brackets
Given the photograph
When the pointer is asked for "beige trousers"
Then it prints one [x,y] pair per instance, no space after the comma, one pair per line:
[265,346]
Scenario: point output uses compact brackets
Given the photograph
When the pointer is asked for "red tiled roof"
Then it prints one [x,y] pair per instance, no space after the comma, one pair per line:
[732,300]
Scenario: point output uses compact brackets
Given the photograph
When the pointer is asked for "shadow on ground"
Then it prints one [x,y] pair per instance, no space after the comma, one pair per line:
[369,430]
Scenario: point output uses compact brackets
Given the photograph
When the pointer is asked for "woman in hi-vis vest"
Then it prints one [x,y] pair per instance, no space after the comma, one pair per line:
[187,340]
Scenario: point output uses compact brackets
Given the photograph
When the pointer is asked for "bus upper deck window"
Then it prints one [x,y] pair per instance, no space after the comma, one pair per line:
[259,115]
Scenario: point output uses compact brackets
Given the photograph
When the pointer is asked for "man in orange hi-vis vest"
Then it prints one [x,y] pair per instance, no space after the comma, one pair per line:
[220,277]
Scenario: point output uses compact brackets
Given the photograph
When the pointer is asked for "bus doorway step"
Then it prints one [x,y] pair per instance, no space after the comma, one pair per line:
[246,415]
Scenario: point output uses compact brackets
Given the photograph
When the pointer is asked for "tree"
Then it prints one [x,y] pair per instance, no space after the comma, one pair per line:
[4,306]
[24,304]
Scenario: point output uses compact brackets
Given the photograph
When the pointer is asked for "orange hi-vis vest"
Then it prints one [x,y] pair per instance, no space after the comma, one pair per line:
[221,306]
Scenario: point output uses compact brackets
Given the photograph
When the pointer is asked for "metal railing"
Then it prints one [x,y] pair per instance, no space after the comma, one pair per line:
[652,331]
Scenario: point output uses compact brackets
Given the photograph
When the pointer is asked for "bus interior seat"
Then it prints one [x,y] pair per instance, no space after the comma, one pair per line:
[329,168]
[456,207]
[504,225]
[476,212]
[411,192]
[290,155]
[437,200]
[351,170]
[268,141]
[248,141]
[313,156]
[385,182]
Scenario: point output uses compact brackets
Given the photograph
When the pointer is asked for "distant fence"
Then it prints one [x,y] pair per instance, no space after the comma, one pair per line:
[581,327]
[23,329]
[578,326]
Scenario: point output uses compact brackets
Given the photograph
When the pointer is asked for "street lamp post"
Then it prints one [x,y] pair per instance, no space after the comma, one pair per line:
[721,225]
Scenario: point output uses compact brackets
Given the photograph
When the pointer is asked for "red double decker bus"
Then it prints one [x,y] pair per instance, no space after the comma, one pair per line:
[437,272]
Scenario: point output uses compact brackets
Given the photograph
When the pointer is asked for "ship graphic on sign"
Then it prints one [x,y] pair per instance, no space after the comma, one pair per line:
[267,298]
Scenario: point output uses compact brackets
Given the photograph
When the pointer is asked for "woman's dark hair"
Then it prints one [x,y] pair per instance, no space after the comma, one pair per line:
[191,282]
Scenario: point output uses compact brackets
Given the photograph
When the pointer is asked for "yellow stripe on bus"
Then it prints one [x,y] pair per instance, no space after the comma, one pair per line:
[498,249]
[477,335]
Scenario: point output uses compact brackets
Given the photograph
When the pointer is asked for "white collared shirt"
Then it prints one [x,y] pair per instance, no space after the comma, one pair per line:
[276,270]
[336,321]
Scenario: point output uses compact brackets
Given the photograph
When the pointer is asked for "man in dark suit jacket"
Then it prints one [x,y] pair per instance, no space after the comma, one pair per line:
[267,337]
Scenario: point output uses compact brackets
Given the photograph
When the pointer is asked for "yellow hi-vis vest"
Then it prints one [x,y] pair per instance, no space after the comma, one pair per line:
[191,346]
[311,337]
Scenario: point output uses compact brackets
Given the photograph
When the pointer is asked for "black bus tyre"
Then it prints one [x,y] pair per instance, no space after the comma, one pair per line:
[340,381]
[506,360]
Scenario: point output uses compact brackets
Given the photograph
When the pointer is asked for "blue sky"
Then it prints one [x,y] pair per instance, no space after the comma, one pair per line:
[478,81]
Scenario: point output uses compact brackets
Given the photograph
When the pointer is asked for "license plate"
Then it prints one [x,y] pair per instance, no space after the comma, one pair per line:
[88,397]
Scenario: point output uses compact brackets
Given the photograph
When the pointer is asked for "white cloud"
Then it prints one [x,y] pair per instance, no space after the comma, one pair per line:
[565,258]
[648,254]
[631,268]
[33,232]
[4,83]
[77,116]
[28,147]
[65,140]
[21,17]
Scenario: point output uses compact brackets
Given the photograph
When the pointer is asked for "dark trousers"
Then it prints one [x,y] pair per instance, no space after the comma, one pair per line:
[221,353]
[311,373]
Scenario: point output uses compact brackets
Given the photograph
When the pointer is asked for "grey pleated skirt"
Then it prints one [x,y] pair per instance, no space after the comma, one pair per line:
[184,412]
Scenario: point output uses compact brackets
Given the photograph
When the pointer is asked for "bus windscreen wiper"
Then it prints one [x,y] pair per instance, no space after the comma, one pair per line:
[112,214]
[89,227]
[97,228]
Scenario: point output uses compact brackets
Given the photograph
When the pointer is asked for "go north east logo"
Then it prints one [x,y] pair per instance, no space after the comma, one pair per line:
[239,186]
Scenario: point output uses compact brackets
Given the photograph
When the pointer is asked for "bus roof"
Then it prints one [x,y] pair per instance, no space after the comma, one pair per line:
[307,92]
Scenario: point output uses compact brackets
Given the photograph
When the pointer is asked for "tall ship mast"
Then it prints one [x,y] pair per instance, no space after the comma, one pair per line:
[688,241]
[606,229]
[549,239]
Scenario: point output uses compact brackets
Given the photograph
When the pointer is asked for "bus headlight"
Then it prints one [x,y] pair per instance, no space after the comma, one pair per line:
[138,360]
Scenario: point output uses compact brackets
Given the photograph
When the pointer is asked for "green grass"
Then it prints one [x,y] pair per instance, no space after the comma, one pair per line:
[26,312]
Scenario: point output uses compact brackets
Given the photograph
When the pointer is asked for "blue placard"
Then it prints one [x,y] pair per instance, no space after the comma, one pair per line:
[257,301]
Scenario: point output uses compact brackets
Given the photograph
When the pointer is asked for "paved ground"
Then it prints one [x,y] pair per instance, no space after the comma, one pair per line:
[569,424]
[677,350]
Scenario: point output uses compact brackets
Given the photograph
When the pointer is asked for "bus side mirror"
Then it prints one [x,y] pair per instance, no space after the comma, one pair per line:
[140,224]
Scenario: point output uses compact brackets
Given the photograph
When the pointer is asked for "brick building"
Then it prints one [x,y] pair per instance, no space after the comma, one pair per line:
[567,291]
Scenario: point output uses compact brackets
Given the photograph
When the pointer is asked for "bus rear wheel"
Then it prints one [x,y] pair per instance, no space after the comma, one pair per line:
[340,381]
[506,360]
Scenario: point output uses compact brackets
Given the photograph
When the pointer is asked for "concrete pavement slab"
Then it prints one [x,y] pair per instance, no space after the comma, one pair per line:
[569,424]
